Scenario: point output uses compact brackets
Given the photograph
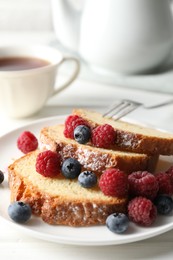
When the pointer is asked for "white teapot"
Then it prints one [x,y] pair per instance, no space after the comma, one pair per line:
[129,36]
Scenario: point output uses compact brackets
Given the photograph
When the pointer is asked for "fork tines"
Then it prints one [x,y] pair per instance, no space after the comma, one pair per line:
[121,108]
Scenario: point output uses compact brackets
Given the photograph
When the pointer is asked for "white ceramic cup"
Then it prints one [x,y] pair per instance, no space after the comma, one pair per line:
[25,92]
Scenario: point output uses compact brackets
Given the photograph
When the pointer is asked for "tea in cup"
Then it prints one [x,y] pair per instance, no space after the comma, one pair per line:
[27,78]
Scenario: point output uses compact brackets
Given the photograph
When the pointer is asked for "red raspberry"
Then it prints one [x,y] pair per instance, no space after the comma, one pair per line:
[143,183]
[103,136]
[142,211]
[165,184]
[48,163]
[27,142]
[71,123]
[114,182]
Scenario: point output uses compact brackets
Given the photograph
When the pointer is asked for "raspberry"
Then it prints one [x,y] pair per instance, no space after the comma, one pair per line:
[165,184]
[142,211]
[143,183]
[71,123]
[114,182]
[48,163]
[27,142]
[103,136]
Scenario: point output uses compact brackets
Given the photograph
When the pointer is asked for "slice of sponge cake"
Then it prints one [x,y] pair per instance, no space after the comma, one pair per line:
[131,137]
[58,200]
[92,158]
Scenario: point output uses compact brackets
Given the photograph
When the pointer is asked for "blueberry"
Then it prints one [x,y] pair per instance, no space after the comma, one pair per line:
[164,204]
[71,168]
[87,179]
[82,134]
[1,177]
[117,222]
[19,211]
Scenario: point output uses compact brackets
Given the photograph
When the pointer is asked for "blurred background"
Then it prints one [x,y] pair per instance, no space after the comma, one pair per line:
[27,21]
[25,15]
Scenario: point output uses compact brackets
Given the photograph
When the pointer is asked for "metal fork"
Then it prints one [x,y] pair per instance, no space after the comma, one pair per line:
[123,107]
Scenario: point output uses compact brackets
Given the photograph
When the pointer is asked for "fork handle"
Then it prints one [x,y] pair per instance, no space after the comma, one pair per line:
[160,105]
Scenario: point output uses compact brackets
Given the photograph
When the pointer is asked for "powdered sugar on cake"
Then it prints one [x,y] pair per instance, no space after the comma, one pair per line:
[94,160]
[128,140]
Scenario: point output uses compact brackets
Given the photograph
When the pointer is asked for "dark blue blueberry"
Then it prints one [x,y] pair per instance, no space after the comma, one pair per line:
[71,168]
[87,179]
[117,222]
[19,211]
[164,204]
[1,177]
[82,134]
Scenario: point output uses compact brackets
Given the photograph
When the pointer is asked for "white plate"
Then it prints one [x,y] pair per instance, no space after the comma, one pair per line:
[97,235]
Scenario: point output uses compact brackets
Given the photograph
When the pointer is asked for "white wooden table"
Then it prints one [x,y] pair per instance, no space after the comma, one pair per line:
[17,245]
